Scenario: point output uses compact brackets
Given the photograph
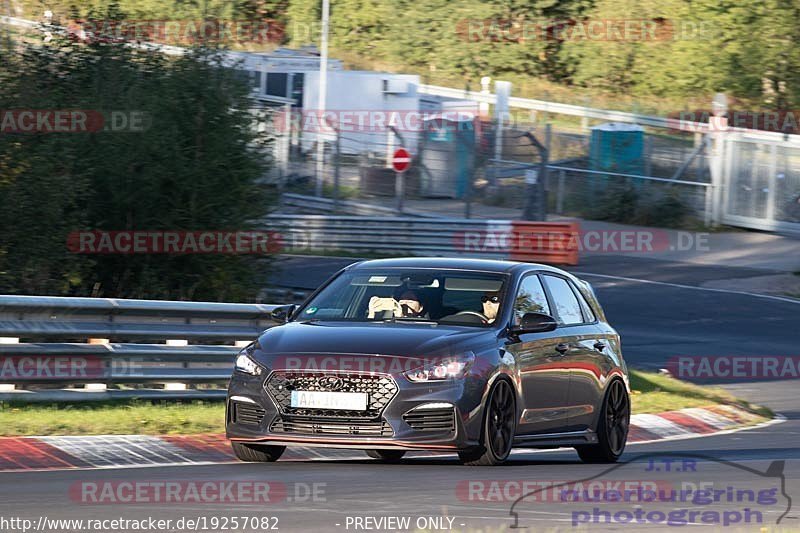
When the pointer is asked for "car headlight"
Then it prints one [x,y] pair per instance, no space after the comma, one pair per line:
[247,365]
[442,370]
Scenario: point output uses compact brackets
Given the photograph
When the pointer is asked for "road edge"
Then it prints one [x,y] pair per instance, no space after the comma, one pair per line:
[137,451]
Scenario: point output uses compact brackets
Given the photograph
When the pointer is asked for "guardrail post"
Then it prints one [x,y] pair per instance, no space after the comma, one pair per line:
[502,90]
[98,341]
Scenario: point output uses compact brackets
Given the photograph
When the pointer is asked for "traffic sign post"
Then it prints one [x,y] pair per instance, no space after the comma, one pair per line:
[401,161]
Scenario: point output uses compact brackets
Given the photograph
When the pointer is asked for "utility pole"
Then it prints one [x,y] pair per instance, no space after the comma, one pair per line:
[323,93]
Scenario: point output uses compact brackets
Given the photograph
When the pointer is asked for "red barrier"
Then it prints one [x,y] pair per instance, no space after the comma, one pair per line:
[554,243]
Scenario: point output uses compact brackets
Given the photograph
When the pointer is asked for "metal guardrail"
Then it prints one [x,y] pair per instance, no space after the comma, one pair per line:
[390,234]
[546,242]
[44,316]
[45,356]
[110,365]
[345,207]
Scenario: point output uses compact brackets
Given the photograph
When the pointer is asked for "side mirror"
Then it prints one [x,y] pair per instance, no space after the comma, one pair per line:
[535,323]
[283,313]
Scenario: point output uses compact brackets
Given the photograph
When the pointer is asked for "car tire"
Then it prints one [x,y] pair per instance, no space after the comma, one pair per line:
[499,427]
[386,456]
[612,427]
[257,453]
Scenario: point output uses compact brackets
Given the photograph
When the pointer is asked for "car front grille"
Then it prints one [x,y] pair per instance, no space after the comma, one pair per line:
[247,413]
[431,419]
[380,390]
[311,426]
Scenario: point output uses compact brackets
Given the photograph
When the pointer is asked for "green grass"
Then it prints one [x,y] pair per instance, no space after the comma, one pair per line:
[652,393]
[106,418]
[655,393]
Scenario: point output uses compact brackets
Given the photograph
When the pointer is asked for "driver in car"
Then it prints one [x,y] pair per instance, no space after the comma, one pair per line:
[410,305]
[491,303]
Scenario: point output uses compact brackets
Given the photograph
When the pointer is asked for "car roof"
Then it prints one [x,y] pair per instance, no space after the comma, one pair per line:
[453,263]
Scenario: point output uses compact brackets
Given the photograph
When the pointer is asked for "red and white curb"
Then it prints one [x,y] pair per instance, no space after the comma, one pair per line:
[121,451]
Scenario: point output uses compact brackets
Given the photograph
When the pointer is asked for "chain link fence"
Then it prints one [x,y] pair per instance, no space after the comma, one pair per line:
[482,170]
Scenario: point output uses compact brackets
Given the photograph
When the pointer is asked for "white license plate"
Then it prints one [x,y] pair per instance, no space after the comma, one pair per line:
[350,401]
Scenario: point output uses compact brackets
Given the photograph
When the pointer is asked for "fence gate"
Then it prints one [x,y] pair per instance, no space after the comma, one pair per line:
[761,184]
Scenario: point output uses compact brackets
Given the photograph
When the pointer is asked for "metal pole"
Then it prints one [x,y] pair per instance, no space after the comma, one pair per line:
[548,134]
[323,92]
[336,170]
[399,181]
[535,192]
[400,189]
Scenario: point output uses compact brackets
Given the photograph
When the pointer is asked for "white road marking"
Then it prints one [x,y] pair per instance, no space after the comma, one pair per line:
[658,425]
[693,287]
[119,450]
[710,418]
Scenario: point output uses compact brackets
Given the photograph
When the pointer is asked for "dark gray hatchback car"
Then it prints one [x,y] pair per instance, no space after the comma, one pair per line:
[472,356]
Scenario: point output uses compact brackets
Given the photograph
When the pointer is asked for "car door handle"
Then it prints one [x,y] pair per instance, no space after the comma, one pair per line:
[562,348]
[599,346]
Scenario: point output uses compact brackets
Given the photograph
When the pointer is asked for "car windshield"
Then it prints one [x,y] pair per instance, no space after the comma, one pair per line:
[418,295]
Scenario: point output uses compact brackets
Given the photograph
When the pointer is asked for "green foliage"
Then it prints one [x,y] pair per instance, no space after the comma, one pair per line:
[647,205]
[196,167]
[748,49]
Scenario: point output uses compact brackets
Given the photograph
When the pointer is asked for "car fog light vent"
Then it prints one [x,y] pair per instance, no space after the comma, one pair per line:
[438,419]
[246,413]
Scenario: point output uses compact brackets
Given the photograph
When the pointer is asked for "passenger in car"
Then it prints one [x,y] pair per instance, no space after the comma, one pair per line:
[491,303]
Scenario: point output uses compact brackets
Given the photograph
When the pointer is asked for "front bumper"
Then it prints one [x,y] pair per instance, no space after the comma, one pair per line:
[418,416]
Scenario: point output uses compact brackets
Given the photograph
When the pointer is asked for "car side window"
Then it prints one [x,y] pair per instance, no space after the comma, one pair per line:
[530,298]
[588,313]
[567,307]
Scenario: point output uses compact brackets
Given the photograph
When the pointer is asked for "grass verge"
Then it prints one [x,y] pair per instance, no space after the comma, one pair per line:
[652,393]
[656,393]
[113,418]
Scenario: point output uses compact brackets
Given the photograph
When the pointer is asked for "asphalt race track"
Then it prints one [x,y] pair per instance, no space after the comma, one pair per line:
[751,476]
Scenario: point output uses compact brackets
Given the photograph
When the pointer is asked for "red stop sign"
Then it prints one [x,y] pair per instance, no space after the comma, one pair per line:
[401,160]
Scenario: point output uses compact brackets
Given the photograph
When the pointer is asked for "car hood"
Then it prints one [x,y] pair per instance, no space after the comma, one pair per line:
[397,343]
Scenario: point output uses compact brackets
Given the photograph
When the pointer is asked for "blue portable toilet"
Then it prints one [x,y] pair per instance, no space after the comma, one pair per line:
[448,156]
[617,147]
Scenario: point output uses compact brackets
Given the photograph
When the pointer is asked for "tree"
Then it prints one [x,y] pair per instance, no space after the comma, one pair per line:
[197,166]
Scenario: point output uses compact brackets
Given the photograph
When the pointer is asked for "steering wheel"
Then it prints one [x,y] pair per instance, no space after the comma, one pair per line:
[483,317]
